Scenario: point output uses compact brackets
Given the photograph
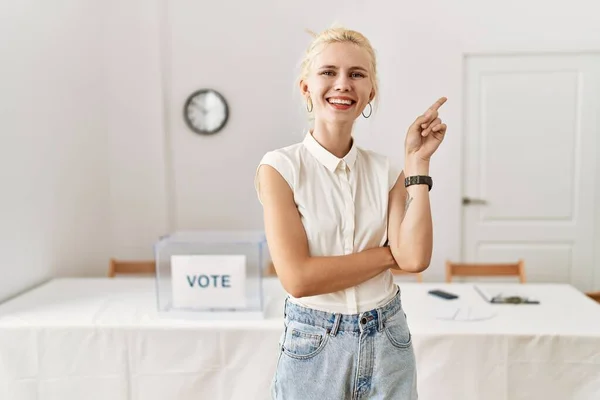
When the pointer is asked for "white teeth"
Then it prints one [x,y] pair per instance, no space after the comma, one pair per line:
[340,101]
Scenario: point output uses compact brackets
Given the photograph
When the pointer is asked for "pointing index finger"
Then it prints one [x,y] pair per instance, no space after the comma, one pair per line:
[438,104]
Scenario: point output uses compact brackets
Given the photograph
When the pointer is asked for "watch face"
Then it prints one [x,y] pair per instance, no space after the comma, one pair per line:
[206,111]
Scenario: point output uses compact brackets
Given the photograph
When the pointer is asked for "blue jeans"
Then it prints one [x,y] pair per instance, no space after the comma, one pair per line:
[341,356]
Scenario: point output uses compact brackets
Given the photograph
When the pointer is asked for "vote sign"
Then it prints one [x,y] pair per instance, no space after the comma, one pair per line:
[208,281]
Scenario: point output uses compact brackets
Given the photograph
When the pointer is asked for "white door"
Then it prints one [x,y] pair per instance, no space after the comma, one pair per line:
[529,170]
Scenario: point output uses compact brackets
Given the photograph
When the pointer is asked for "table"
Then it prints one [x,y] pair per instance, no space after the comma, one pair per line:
[103,339]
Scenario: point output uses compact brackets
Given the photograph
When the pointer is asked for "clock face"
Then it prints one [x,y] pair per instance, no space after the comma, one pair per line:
[206,111]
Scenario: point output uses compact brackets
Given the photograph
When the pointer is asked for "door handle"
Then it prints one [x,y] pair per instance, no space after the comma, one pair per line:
[468,201]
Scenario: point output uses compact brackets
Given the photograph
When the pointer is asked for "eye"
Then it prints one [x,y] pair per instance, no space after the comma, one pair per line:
[357,75]
[328,73]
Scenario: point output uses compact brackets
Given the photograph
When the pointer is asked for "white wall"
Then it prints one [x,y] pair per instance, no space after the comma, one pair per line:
[250,52]
[135,130]
[53,176]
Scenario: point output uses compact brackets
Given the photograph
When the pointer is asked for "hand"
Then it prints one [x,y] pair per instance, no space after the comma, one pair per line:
[425,135]
[392,261]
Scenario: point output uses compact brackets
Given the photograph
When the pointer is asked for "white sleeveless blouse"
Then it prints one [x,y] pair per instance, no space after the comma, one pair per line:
[343,204]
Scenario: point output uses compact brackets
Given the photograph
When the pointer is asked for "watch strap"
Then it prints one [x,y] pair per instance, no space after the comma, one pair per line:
[418,180]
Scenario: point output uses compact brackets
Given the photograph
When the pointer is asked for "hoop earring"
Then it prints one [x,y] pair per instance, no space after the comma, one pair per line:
[309,100]
[371,111]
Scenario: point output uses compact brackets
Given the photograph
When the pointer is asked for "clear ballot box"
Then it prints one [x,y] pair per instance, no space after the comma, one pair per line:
[211,274]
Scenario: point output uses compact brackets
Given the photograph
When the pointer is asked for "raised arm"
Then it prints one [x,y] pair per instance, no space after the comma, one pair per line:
[300,274]
[410,231]
[410,227]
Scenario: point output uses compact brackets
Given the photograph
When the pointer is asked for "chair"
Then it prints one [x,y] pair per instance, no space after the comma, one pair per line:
[418,275]
[594,296]
[485,269]
[117,267]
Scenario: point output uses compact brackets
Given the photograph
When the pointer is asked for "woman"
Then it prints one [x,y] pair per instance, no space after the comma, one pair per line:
[337,219]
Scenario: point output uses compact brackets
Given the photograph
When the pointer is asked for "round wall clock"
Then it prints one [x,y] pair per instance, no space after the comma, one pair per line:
[206,111]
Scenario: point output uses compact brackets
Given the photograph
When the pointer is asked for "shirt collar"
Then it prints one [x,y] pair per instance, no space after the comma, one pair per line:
[329,160]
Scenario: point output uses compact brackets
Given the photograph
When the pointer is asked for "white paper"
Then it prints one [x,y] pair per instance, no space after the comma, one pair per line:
[464,313]
[208,281]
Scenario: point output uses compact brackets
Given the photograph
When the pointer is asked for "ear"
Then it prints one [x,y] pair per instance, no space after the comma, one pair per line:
[304,88]
[372,95]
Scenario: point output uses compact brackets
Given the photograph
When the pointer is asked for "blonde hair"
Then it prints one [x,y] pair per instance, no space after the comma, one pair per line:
[338,34]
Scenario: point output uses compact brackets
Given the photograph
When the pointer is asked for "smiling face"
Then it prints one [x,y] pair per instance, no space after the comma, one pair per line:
[339,82]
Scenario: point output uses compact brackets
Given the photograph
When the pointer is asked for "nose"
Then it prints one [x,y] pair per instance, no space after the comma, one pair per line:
[342,83]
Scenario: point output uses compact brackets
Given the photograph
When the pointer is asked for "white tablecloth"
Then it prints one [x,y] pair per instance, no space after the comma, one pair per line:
[92,339]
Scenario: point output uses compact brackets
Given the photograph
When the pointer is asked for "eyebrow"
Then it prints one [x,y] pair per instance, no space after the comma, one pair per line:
[334,67]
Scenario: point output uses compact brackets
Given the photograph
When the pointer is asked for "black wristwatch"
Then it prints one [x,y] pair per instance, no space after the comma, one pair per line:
[418,180]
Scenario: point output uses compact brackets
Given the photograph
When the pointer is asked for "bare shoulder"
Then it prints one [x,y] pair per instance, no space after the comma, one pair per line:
[272,186]
[277,167]
[275,181]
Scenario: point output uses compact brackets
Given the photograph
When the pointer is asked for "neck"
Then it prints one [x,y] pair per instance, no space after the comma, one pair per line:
[335,138]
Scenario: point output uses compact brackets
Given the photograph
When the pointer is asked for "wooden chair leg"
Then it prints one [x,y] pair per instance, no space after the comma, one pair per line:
[112,268]
[522,271]
[448,272]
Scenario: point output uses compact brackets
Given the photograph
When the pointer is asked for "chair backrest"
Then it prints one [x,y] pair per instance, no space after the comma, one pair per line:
[418,275]
[485,269]
[594,296]
[118,267]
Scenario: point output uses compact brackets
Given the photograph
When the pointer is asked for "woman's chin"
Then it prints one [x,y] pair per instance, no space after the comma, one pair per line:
[340,117]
